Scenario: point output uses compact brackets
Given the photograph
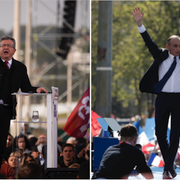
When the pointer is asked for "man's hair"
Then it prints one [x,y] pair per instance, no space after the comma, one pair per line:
[129,131]
[67,144]
[172,37]
[8,38]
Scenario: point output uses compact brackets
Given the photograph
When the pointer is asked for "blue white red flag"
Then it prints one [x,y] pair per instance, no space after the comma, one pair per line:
[142,138]
[155,160]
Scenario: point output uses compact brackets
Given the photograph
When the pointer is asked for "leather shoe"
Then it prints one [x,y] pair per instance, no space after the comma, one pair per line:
[173,173]
[166,175]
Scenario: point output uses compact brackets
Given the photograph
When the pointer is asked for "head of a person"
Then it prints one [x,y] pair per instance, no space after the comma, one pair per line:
[71,140]
[27,158]
[13,160]
[32,141]
[7,47]
[173,45]
[18,154]
[30,171]
[23,142]
[68,152]
[129,133]
[9,140]
[42,139]
[81,140]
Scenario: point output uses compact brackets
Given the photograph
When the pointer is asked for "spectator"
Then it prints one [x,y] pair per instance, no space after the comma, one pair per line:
[81,140]
[82,152]
[68,156]
[42,139]
[25,130]
[119,160]
[32,141]
[27,158]
[60,141]
[23,143]
[71,140]
[30,171]
[44,158]
[13,161]
[9,140]
[41,157]
[35,153]
[7,170]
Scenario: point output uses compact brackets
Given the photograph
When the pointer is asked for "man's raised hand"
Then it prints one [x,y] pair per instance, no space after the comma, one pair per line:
[138,16]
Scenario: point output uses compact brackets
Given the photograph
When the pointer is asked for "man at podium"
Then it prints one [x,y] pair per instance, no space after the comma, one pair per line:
[13,76]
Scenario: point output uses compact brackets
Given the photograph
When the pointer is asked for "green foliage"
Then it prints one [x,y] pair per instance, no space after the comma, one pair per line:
[131,58]
[94,31]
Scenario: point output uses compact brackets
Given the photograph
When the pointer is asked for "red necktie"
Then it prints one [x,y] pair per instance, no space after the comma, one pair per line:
[6,62]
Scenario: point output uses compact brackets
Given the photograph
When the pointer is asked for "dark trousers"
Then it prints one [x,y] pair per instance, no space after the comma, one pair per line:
[168,104]
[5,116]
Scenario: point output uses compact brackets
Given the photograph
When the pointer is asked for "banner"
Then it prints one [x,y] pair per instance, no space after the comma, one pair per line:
[95,126]
[78,121]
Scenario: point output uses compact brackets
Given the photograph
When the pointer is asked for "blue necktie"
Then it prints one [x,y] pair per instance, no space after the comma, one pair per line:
[159,85]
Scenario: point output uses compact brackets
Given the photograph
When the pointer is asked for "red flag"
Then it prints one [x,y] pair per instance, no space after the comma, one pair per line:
[95,126]
[78,121]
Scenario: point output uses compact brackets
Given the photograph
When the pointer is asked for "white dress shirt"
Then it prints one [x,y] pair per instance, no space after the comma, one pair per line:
[9,63]
[173,83]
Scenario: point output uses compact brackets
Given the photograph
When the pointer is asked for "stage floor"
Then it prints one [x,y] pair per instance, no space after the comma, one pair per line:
[157,172]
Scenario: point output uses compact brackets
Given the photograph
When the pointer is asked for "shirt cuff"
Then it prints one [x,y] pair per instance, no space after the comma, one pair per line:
[142,29]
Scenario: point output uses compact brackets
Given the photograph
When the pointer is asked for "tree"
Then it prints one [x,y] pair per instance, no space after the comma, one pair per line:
[131,58]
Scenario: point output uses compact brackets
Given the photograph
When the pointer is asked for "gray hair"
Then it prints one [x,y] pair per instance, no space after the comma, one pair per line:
[8,38]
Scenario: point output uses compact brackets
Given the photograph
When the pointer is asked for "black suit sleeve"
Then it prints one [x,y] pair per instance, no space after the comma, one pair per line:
[151,45]
[150,78]
[20,79]
[26,84]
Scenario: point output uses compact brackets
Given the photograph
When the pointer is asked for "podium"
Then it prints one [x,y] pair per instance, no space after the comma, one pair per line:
[51,123]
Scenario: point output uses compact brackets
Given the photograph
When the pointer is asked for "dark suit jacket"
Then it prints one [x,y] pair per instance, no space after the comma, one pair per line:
[19,80]
[150,78]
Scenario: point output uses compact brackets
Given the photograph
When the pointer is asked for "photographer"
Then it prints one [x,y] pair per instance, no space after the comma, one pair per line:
[119,160]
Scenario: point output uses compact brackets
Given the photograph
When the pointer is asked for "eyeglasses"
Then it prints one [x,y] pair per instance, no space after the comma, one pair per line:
[8,45]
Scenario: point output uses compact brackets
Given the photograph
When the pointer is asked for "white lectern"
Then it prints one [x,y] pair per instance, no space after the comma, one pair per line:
[52,119]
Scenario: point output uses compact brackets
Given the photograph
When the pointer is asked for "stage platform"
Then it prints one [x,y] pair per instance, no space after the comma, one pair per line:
[157,172]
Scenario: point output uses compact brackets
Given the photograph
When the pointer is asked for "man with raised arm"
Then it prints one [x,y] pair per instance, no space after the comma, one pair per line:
[162,78]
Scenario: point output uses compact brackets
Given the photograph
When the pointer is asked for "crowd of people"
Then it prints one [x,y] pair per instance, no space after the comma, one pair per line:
[26,156]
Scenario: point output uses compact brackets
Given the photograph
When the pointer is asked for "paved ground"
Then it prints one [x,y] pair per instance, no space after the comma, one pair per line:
[157,172]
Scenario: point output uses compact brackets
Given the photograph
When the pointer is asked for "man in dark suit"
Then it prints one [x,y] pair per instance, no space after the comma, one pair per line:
[119,160]
[168,96]
[13,76]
